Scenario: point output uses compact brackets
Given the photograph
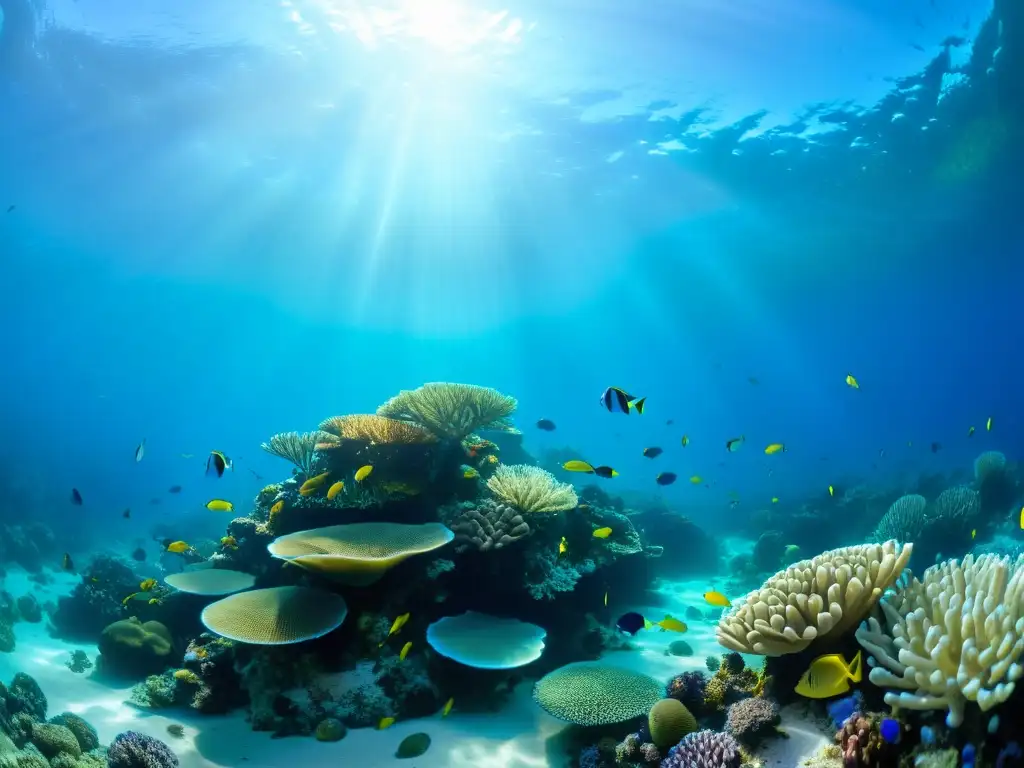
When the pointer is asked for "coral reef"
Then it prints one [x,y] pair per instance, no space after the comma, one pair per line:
[135,750]
[131,648]
[705,749]
[487,525]
[95,602]
[452,411]
[531,490]
[750,720]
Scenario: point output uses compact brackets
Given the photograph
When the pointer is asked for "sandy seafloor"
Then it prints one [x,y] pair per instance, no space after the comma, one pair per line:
[520,736]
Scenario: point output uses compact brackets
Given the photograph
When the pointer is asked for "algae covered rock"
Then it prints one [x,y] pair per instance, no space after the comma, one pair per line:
[53,739]
[84,733]
[330,729]
[25,695]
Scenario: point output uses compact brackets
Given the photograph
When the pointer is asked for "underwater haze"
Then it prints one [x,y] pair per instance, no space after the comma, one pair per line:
[784,234]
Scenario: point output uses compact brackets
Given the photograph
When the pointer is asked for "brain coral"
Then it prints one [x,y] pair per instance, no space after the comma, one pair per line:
[669,720]
[705,749]
[359,554]
[956,635]
[131,646]
[486,642]
[84,733]
[275,616]
[812,598]
[211,581]
[592,693]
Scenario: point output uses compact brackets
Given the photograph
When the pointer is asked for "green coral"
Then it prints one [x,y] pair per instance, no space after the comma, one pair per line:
[714,693]
[330,729]
[669,721]
[86,735]
[52,739]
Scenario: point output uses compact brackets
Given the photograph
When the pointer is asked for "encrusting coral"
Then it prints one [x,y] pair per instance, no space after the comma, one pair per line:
[531,489]
[955,636]
[827,594]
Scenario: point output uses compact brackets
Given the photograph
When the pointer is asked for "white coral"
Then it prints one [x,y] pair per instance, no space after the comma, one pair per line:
[955,636]
[830,593]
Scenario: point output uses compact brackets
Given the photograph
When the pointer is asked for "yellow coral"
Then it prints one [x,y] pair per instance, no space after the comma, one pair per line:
[187,676]
[370,428]
[452,411]
[714,692]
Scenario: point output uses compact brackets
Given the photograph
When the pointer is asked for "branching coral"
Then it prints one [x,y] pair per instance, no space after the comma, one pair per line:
[955,636]
[904,521]
[452,411]
[827,594]
[531,489]
[373,429]
[705,749]
[489,525]
[297,447]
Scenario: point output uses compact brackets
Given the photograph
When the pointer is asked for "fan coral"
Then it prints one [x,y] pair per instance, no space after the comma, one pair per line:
[669,721]
[373,429]
[135,750]
[452,411]
[749,720]
[297,447]
[955,636]
[705,749]
[488,525]
[904,521]
[531,489]
[812,598]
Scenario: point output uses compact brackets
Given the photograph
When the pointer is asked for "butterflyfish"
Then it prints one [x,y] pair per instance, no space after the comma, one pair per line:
[578,466]
[216,463]
[219,505]
[851,381]
[1022,517]
[605,599]
[735,444]
[155,601]
[775,448]
[448,707]
[363,472]
[178,547]
[129,598]
[396,625]
[653,452]
[229,542]
[829,676]
[312,485]
[147,584]
[140,450]
[632,622]
[775,499]
[405,651]
[603,533]
[717,599]
[974,532]
[665,478]
[615,400]
[671,624]
[335,489]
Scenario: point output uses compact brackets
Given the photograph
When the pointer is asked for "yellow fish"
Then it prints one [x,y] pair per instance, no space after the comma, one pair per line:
[219,505]
[670,624]
[578,466]
[385,722]
[178,547]
[829,676]
[396,626]
[605,599]
[277,508]
[970,432]
[602,533]
[155,601]
[335,489]
[312,485]
[974,531]
[717,599]
[469,473]
[147,585]
[1022,518]
[988,424]
[128,599]
[774,448]
[229,541]
[563,546]
[696,480]
[831,491]
[405,651]
[851,381]
[775,499]
[685,441]
[448,707]
[363,472]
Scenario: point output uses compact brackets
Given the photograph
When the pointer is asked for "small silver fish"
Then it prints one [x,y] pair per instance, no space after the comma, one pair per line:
[140,451]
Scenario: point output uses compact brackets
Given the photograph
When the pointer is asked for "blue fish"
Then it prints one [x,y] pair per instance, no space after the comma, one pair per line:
[890,730]
[617,400]
[632,622]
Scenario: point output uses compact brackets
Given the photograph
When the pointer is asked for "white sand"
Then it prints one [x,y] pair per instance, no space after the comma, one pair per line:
[519,737]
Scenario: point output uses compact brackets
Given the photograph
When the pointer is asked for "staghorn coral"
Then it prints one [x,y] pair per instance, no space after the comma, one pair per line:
[297,447]
[373,429]
[904,521]
[750,720]
[452,411]
[704,749]
[488,525]
[531,489]
[954,636]
[813,598]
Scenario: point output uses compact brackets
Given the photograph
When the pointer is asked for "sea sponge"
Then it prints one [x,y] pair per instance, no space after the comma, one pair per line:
[359,554]
[955,636]
[52,739]
[452,411]
[705,749]
[813,598]
[531,489]
[373,429]
[297,447]
[132,647]
[904,521]
[749,720]
[593,693]
[275,616]
[136,750]
[486,642]
[669,720]
[86,735]
[210,581]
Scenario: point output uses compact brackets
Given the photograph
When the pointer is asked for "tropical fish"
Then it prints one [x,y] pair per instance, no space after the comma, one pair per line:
[578,466]
[140,450]
[563,546]
[632,622]
[775,448]
[216,463]
[229,541]
[396,625]
[988,424]
[66,563]
[147,585]
[1022,517]
[405,651]
[735,444]
[831,491]
[11,208]
[606,472]
[936,447]
[665,478]
[278,506]
[717,599]
[970,432]
[616,400]
[76,497]
[448,707]
[605,599]
[178,547]
[127,513]
[829,676]
[335,489]
[363,472]
[671,624]
[219,505]
[155,601]
[385,722]
[974,532]
[753,380]
[653,452]
[851,381]
[312,485]
[129,598]
[889,729]
[546,424]
[685,441]
[602,533]
[696,479]
[790,552]
[775,499]
[174,489]
[470,474]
